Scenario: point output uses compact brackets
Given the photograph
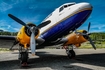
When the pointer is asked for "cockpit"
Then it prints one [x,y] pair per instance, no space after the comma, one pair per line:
[61,8]
[66,5]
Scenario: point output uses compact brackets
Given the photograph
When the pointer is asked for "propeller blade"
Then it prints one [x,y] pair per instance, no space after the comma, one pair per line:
[32,41]
[89,26]
[92,43]
[44,24]
[17,20]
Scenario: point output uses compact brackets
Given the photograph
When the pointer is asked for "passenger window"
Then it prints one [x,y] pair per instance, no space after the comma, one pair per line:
[61,9]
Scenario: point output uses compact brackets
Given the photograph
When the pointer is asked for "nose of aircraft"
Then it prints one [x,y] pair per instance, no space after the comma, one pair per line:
[85,5]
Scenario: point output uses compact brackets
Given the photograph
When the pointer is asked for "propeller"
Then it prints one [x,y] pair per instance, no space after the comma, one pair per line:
[44,24]
[32,40]
[89,26]
[86,34]
[32,29]
[17,20]
[91,42]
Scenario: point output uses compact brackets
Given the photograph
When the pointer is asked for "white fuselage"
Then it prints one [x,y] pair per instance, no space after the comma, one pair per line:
[67,10]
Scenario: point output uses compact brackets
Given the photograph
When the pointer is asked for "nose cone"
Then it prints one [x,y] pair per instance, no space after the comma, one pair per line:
[85,5]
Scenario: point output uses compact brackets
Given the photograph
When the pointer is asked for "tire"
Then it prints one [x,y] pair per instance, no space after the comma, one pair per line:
[70,53]
[24,57]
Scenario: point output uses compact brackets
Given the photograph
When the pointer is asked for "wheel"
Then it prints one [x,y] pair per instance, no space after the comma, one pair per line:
[70,53]
[23,58]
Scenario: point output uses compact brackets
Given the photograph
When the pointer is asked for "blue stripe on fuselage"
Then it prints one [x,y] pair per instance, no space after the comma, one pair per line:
[65,26]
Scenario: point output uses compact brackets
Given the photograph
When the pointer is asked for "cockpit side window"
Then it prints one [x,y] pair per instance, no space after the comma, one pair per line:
[70,4]
[61,9]
[65,6]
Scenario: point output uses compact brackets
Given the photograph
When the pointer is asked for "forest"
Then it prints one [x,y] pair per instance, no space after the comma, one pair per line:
[97,38]
[8,33]
[94,36]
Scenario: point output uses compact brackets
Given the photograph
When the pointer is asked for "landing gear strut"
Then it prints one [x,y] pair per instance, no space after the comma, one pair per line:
[23,55]
[70,52]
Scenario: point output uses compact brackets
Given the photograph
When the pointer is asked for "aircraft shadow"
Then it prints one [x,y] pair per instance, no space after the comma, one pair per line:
[57,62]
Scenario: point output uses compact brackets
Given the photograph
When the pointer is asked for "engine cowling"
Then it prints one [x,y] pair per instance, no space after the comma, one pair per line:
[75,39]
[28,32]
[24,34]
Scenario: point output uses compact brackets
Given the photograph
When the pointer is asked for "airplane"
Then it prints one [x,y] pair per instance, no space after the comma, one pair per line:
[57,28]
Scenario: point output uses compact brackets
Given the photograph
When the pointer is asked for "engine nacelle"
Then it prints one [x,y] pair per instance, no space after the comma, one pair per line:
[24,34]
[75,39]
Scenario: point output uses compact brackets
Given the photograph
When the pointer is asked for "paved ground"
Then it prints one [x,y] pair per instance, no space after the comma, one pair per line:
[56,59]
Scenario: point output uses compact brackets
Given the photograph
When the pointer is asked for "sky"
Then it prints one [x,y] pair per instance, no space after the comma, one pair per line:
[36,10]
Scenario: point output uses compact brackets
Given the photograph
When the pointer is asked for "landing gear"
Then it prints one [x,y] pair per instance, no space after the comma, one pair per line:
[23,55]
[70,52]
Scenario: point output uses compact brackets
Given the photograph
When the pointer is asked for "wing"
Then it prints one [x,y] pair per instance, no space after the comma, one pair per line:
[75,38]
[6,41]
[2,37]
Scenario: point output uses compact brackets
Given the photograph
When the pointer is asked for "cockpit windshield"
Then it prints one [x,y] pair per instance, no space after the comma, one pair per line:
[65,6]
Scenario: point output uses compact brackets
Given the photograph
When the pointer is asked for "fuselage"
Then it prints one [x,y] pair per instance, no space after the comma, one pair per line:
[64,19]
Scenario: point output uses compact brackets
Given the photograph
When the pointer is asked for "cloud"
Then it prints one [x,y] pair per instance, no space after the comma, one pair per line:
[36,10]
[97,30]
[4,6]
[7,27]
[35,19]
[4,26]
[16,29]
[3,23]
[101,27]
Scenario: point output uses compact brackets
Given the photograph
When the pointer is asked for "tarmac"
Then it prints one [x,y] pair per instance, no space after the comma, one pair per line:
[56,59]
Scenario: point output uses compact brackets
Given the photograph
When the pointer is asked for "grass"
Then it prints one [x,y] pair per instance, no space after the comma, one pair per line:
[4,49]
[89,46]
[86,45]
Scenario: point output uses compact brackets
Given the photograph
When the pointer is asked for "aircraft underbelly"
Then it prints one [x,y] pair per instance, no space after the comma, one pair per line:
[65,26]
